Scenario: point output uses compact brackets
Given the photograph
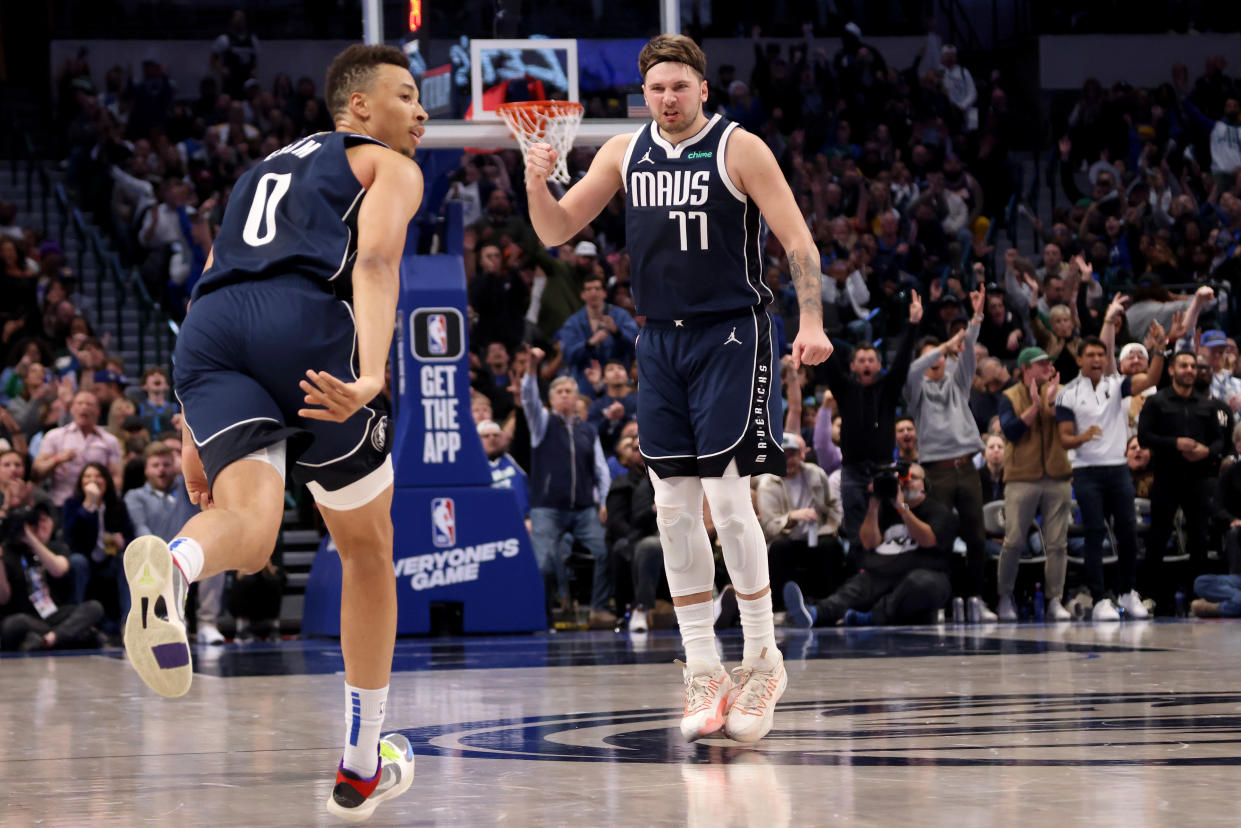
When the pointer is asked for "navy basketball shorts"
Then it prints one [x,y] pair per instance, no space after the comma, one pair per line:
[709,395]
[239,358]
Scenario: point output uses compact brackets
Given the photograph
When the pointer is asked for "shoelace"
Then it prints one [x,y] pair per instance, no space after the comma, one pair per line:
[753,684]
[697,689]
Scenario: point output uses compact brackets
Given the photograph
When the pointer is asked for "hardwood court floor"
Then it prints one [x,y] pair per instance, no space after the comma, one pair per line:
[1133,724]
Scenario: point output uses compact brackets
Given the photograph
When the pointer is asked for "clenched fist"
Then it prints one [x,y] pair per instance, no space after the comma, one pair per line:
[540,162]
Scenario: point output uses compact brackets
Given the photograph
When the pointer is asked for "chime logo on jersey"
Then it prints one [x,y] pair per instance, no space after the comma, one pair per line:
[669,188]
[443,521]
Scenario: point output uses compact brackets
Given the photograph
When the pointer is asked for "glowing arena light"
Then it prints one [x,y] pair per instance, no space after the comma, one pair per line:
[415,15]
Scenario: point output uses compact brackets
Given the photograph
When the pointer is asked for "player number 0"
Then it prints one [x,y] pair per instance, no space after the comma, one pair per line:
[263,209]
[683,218]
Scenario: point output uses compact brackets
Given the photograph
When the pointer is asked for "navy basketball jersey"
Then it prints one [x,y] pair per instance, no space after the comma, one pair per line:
[295,212]
[692,235]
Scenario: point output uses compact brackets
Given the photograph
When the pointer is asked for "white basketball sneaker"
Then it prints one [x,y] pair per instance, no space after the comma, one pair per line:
[1133,605]
[155,637]
[752,708]
[706,702]
[1104,610]
[1057,612]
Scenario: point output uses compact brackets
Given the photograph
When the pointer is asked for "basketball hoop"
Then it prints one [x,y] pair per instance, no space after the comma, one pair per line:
[551,122]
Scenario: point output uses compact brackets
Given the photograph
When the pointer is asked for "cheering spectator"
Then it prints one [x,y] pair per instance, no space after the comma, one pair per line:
[158,413]
[599,332]
[568,486]
[866,403]
[937,390]
[615,407]
[66,451]
[1036,479]
[97,526]
[505,473]
[905,434]
[1101,481]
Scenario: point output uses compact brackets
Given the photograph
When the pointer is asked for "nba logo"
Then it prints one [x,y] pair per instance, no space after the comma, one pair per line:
[437,334]
[443,521]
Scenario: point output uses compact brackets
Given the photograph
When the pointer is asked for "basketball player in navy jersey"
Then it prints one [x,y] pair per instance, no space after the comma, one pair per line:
[272,364]
[709,413]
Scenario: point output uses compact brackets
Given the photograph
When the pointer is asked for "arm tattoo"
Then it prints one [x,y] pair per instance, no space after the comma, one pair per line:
[807,281]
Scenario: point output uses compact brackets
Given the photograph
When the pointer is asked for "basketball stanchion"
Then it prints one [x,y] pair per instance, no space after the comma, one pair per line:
[461,552]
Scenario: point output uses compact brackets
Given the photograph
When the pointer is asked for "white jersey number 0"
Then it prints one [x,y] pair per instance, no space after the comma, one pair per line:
[263,209]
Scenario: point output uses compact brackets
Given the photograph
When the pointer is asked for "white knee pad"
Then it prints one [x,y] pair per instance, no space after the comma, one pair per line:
[687,549]
[737,526]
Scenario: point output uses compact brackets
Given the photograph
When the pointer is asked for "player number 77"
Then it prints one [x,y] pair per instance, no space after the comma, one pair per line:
[683,218]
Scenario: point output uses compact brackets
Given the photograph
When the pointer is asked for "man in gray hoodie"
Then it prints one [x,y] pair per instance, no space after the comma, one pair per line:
[938,392]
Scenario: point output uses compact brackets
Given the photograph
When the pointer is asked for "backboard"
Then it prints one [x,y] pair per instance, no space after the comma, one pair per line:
[524,69]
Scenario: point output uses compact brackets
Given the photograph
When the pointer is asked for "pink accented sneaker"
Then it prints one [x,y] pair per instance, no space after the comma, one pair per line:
[706,703]
[752,705]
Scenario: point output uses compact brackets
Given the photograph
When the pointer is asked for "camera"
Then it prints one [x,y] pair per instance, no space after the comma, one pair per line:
[13,529]
[886,480]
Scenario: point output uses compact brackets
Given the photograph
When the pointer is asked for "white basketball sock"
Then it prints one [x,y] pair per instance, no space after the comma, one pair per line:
[187,554]
[697,623]
[759,628]
[364,718]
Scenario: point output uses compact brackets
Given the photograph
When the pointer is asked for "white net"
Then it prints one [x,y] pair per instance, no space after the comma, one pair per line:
[550,122]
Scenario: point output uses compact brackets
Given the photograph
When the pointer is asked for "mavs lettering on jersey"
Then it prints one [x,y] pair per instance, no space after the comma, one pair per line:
[298,215]
[692,235]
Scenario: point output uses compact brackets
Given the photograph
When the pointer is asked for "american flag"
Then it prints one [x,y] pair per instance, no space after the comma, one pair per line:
[636,107]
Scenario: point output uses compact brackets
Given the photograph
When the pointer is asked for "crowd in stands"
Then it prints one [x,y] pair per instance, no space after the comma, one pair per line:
[983,406]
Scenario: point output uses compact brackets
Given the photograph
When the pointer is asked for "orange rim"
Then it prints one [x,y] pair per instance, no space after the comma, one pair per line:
[551,108]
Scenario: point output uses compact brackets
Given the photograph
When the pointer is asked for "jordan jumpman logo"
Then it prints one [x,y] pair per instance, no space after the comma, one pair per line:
[646,158]
[732,337]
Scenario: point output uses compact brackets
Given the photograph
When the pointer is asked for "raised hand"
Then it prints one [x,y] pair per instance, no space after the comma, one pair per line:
[1051,389]
[915,307]
[1156,339]
[956,344]
[1178,328]
[978,300]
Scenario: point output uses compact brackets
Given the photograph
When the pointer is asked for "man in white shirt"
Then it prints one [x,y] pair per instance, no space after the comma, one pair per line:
[1096,438]
[959,84]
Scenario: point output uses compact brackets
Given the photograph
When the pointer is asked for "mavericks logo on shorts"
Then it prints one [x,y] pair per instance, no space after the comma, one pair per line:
[379,434]
[443,521]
